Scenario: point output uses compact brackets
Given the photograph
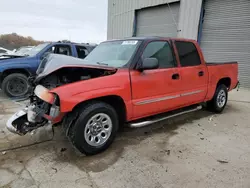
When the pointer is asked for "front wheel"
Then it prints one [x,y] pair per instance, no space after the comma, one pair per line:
[95,128]
[219,101]
[15,85]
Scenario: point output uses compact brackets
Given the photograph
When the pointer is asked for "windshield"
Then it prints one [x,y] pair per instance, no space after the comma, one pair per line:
[36,49]
[23,50]
[113,53]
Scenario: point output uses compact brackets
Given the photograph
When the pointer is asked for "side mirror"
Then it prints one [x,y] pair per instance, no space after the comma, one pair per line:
[149,63]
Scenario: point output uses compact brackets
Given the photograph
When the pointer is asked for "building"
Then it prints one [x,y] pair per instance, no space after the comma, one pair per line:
[222,27]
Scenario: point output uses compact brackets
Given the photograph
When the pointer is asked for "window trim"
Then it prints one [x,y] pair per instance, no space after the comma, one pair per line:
[58,46]
[178,56]
[171,48]
[80,46]
[64,45]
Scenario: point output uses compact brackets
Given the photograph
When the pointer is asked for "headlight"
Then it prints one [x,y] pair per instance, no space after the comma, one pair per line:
[44,94]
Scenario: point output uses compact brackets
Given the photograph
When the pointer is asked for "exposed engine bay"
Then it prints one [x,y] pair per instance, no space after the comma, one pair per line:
[69,75]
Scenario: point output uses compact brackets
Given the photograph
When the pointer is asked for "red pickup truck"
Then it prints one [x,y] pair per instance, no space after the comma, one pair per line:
[137,81]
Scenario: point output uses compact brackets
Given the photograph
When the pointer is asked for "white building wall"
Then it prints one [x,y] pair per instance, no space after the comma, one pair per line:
[189,18]
[121,15]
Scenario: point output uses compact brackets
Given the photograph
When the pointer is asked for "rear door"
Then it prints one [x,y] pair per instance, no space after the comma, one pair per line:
[156,91]
[194,76]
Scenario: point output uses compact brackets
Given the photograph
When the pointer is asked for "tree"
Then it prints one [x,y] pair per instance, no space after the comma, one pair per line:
[14,41]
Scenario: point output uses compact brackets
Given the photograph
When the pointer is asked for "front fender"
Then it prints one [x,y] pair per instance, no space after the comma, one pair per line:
[68,103]
[22,66]
[13,68]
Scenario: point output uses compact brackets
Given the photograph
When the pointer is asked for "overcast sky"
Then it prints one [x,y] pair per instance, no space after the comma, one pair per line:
[76,20]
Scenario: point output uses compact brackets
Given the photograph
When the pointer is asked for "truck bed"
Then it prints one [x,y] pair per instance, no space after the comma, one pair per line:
[223,70]
[214,63]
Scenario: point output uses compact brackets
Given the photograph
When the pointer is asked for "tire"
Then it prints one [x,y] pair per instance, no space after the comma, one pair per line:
[11,88]
[219,101]
[90,138]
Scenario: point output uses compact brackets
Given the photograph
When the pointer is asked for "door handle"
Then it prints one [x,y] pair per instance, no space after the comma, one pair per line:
[175,76]
[201,73]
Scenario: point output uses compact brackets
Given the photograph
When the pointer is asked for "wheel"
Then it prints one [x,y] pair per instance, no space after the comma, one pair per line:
[219,101]
[15,85]
[94,129]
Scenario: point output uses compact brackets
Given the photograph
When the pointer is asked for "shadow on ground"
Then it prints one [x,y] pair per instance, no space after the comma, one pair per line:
[65,153]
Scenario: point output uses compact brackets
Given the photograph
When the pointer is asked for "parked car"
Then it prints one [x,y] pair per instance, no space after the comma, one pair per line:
[23,50]
[16,68]
[4,51]
[137,81]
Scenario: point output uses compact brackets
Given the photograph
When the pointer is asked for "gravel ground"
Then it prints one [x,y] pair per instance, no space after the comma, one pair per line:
[200,149]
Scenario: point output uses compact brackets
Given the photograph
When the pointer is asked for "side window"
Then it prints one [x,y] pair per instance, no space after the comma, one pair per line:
[63,49]
[188,54]
[161,51]
[51,50]
[82,51]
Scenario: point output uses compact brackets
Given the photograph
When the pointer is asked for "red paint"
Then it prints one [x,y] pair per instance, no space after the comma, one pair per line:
[134,87]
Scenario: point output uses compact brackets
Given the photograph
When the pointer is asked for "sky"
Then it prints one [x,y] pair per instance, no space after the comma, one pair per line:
[53,20]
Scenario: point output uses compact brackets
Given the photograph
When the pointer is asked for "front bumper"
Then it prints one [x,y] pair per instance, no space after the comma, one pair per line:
[39,113]
[11,125]
[27,120]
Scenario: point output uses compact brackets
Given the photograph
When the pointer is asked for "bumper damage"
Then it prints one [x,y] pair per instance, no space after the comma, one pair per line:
[23,122]
[39,113]
[11,125]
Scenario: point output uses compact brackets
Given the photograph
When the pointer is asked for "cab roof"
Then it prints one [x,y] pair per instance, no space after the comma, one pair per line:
[147,38]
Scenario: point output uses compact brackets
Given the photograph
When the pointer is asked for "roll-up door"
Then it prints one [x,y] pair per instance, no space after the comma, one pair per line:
[158,21]
[226,34]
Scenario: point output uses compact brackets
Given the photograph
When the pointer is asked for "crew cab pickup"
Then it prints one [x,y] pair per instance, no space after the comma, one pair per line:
[16,68]
[135,82]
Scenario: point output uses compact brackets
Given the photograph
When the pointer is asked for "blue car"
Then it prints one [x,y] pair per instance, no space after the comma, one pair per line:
[15,69]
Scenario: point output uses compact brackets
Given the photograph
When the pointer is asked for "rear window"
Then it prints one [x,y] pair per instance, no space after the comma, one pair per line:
[188,54]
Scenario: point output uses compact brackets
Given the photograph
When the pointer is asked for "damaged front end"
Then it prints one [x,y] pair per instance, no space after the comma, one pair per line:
[43,110]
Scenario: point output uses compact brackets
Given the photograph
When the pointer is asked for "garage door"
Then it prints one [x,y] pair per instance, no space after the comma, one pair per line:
[158,21]
[226,34]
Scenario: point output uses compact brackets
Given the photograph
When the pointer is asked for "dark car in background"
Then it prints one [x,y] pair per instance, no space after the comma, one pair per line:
[15,69]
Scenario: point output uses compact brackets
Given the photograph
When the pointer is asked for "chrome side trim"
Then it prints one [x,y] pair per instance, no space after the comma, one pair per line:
[157,100]
[167,97]
[145,123]
[191,93]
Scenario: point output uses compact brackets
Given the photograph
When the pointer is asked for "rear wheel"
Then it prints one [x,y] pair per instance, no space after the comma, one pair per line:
[94,129]
[15,85]
[219,101]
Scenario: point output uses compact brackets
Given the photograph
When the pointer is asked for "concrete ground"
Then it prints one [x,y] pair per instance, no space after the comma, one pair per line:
[200,149]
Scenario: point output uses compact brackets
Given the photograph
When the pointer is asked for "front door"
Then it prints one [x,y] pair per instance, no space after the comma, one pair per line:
[193,73]
[156,91]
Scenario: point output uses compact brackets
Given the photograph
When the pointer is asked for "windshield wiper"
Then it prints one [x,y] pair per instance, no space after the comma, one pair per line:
[102,63]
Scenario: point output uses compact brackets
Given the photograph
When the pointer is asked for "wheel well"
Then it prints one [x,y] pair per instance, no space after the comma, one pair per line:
[225,81]
[115,101]
[11,71]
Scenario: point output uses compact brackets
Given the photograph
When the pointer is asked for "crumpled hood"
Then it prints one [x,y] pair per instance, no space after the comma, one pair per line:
[53,62]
